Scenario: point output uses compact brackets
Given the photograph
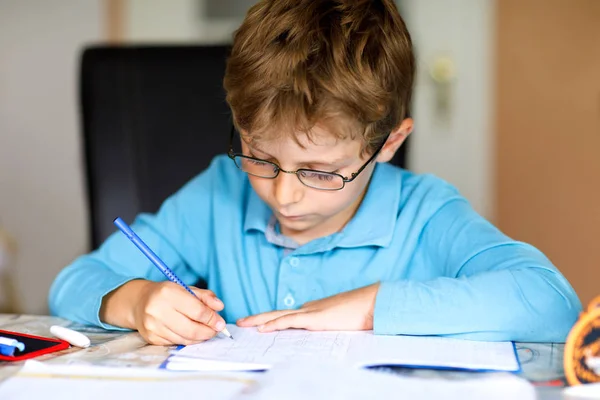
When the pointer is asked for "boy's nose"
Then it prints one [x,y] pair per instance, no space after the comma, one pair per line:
[288,189]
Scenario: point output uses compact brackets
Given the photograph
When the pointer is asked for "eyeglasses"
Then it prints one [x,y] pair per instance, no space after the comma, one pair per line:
[320,180]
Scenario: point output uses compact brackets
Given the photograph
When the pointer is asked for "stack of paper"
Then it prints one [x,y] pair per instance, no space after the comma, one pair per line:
[252,350]
[37,380]
[329,381]
[589,391]
[300,380]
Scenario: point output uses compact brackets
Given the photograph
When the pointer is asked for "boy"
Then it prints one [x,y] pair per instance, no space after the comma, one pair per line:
[303,225]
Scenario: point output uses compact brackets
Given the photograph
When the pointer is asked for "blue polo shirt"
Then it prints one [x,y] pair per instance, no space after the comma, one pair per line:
[444,270]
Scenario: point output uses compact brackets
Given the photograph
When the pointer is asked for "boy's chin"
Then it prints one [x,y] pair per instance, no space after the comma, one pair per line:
[291,219]
[296,223]
[306,228]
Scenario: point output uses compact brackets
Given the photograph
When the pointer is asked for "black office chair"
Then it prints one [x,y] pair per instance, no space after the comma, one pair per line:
[153,117]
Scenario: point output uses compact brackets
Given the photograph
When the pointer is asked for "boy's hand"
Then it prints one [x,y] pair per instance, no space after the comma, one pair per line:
[167,314]
[348,311]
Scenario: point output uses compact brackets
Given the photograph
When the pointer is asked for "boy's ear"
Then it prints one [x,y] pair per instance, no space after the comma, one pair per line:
[395,140]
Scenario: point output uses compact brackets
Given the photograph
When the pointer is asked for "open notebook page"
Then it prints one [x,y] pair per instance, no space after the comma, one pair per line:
[252,350]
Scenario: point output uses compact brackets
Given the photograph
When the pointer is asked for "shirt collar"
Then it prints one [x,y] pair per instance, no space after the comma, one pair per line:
[375,220]
[258,212]
[274,236]
[372,225]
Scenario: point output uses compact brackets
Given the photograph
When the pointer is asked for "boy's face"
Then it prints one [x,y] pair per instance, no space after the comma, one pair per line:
[306,213]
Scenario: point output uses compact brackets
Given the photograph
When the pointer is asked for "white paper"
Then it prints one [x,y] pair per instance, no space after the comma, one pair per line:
[582,392]
[358,349]
[314,381]
[183,364]
[64,382]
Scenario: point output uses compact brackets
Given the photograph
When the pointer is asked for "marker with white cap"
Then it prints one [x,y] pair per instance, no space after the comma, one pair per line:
[9,345]
[75,338]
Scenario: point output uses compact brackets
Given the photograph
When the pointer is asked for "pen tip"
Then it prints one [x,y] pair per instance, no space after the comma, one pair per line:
[230,337]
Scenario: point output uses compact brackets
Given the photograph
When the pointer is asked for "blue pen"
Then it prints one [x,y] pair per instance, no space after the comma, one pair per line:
[155,260]
[8,346]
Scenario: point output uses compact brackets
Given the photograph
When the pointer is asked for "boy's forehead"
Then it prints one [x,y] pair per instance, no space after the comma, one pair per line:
[318,137]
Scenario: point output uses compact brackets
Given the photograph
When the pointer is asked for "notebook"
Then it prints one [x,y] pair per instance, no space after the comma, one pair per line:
[253,351]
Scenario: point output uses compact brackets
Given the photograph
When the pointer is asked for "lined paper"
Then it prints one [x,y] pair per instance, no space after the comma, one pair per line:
[361,349]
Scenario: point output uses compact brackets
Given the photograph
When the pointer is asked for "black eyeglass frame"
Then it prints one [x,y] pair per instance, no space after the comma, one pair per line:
[278,169]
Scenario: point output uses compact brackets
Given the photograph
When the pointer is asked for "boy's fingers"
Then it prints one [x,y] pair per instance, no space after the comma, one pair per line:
[207,291]
[209,298]
[175,338]
[200,312]
[207,316]
[187,330]
[297,320]
[157,340]
[202,292]
[161,336]
[261,319]
[191,333]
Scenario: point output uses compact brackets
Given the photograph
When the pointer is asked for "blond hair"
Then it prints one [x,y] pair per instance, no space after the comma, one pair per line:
[347,64]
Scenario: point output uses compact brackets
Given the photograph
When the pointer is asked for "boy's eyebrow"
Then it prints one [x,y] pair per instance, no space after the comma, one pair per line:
[334,162]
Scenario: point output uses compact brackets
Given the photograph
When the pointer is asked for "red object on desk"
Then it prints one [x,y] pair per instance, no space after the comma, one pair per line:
[35,346]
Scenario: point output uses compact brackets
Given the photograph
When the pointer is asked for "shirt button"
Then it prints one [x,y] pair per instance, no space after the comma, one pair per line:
[289,301]
[294,261]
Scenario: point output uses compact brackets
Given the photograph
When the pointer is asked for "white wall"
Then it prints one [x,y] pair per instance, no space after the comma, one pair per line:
[160,20]
[41,189]
[462,150]
[178,21]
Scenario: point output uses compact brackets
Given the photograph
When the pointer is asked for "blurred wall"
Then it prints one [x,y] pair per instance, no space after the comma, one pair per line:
[161,21]
[455,144]
[548,139]
[41,192]
[198,21]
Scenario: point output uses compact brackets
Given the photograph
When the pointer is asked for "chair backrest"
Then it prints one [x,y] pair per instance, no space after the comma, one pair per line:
[153,117]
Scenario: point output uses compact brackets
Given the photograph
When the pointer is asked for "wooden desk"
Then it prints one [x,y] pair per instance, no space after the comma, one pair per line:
[541,362]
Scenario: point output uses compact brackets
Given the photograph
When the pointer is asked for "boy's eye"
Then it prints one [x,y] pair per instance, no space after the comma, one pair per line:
[257,162]
[327,178]
[317,175]
[323,177]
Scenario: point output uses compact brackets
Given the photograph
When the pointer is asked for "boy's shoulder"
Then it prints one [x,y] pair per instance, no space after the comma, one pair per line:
[412,186]
[398,201]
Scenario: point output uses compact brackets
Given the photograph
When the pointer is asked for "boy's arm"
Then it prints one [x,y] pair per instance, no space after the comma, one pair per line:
[496,289]
[78,291]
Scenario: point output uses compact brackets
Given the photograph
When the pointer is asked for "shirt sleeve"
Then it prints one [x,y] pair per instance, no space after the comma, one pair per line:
[174,233]
[492,288]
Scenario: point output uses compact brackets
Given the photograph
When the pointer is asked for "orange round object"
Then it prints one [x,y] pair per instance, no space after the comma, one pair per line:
[583,343]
